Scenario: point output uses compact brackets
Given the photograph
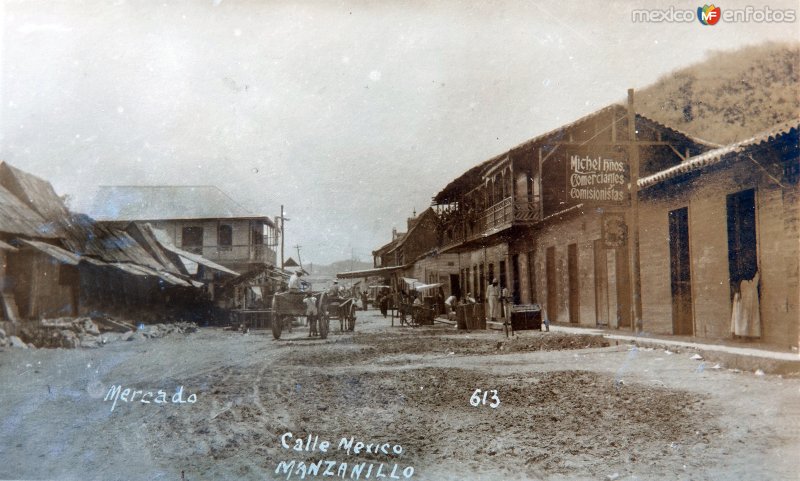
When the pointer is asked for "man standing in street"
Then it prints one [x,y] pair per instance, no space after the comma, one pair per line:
[493,298]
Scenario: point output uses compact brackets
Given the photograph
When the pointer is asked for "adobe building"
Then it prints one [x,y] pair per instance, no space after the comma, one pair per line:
[535,216]
[713,223]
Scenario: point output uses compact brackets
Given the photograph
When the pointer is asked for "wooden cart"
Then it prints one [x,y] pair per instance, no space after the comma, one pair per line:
[287,306]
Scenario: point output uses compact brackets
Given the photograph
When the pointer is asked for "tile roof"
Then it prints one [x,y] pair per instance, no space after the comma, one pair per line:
[717,155]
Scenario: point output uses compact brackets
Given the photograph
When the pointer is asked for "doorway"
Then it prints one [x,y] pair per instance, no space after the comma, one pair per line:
[574,289]
[680,272]
[742,254]
[552,294]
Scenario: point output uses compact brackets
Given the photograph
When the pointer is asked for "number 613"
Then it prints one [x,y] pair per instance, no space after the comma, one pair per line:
[476,399]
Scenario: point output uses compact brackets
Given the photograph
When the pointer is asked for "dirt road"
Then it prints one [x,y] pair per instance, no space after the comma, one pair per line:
[557,406]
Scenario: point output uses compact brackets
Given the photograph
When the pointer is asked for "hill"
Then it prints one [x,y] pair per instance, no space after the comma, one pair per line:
[332,269]
[731,95]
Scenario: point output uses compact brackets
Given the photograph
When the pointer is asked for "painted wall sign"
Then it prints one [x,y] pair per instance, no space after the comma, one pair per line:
[597,177]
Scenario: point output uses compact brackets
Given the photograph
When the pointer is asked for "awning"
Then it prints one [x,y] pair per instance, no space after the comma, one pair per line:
[146,271]
[197,259]
[411,282]
[378,271]
[427,287]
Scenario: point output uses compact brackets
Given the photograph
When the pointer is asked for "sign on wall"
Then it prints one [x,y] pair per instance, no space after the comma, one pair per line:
[597,176]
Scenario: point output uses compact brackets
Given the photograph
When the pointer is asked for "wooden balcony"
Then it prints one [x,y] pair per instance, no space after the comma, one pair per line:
[235,253]
[498,217]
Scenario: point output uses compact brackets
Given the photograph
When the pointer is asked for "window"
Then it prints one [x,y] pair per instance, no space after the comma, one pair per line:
[258,234]
[192,239]
[224,236]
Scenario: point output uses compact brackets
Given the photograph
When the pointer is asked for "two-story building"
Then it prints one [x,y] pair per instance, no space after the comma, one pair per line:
[199,219]
[414,254]
[535,217]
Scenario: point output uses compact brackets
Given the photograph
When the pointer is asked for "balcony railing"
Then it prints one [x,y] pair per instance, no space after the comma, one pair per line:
[234,253]
[499,216]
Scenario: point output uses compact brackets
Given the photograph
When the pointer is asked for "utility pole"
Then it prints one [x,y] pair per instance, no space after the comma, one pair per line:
[283,230]
[636,273]
[299,260]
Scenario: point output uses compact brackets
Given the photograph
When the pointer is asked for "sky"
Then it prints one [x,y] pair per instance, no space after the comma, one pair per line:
[350,114]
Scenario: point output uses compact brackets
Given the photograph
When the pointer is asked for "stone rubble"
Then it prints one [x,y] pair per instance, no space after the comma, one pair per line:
[84,333]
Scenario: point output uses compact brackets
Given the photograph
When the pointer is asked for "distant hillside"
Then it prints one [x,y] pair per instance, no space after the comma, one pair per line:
[730,96]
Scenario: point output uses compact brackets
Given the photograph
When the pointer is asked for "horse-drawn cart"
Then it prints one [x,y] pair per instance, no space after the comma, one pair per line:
[287,306]
[343,309]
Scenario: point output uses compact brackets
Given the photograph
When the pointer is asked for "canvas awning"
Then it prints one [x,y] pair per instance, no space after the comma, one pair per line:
[378,271]
[197,259]
[427,287]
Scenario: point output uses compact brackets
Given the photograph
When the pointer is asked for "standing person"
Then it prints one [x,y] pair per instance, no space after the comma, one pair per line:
[384,303]
[450,307]
[311,313]
[364,300]
[493,298]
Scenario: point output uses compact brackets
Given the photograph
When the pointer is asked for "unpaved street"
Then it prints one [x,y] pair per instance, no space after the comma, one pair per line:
[570,407]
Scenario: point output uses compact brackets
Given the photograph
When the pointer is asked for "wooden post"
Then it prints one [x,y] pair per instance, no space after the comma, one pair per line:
[282,235]
[633,216]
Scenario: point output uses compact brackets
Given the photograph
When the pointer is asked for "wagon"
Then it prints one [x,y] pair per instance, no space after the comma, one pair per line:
[341,308]
[287,306]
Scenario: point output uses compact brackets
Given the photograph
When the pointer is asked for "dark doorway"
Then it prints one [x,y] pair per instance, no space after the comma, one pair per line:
[455,288]
[515,290]
[742,256]
[481,281]
[552,293]
[502,279]
[532,276]
[574,289]
[680,272]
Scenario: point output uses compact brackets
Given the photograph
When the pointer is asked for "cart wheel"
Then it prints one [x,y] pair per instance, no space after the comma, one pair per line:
[324,323]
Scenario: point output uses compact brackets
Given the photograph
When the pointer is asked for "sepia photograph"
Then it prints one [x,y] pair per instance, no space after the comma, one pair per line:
[432,240]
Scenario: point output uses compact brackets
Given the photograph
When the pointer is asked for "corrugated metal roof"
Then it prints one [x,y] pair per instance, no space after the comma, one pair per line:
[717,155]
[166,202]
[18,218]
[472,176]
[86,237]
[37,193]
[55,252]
[7,247]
